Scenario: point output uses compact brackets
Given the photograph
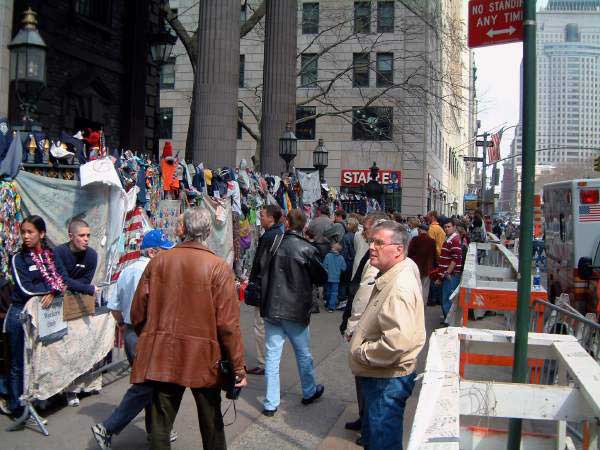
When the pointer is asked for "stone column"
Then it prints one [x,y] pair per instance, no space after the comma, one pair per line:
[215,121]
[279,80]
[6,16]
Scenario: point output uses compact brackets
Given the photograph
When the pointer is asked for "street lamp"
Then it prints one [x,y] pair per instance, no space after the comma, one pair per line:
[28,66]
[161,45]
[288,146]
[320,159]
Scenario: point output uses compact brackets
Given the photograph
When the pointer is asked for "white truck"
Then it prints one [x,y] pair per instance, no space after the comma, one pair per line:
[572,241]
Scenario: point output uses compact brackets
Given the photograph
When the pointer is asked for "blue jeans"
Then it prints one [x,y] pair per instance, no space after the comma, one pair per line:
[298,334]
[137,397]
[331,295]
[448,286]
[384,400]
[16,342]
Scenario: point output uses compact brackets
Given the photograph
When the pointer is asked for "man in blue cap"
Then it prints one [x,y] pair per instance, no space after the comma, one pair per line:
[138,396]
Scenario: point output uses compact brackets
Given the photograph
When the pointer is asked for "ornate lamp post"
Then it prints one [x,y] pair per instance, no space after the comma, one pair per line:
[320,159]
[288,146]
[161,44]
[28,67]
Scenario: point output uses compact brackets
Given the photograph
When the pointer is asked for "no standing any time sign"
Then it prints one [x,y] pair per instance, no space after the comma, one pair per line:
[495,22]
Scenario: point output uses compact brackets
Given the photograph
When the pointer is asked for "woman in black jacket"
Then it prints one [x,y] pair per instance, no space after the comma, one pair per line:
[34,273]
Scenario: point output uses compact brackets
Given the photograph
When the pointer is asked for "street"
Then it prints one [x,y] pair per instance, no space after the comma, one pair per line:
[320,425]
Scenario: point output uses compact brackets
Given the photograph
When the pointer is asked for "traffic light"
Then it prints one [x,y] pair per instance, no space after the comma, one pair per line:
[597,164]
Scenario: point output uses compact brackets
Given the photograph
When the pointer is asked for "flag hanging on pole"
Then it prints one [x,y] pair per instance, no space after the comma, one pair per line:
[494,150]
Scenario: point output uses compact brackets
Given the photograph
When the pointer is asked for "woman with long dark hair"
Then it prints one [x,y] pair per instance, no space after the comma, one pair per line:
[34,273]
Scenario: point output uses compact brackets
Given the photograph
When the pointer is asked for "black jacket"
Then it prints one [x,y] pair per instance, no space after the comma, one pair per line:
[287,285]
[264,245]
[78,268]
[27,278]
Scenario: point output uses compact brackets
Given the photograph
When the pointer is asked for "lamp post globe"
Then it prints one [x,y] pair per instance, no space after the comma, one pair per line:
[288,146]
[320,159]
[28,65]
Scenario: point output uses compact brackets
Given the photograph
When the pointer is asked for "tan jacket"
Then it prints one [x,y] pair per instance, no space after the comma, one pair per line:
[362,296]
[186,313]
[438,235]
[391,331]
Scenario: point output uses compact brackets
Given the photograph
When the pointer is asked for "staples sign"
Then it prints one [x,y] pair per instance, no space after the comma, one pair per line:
[360,177]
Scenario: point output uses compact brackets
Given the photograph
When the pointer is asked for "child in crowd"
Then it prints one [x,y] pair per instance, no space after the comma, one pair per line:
[335,265]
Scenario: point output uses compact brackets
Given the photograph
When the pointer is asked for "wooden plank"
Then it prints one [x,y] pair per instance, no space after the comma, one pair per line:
[523,401]
[505,273]
[503,336]
[436,423]
[582,367]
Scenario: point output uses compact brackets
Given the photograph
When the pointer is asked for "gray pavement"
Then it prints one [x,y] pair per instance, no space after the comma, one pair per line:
[295,426]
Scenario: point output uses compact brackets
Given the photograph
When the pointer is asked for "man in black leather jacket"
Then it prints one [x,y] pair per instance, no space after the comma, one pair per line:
[269,220]
[285,307]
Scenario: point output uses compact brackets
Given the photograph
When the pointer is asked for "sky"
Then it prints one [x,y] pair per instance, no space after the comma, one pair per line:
[498,73]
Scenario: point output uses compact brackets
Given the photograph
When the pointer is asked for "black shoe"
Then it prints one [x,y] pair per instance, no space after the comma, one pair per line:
[359,441]
[354,426]
[318,392]
[269,412]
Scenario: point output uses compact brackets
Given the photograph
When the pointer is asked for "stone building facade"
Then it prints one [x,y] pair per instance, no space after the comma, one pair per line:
[99,68]
[377,81]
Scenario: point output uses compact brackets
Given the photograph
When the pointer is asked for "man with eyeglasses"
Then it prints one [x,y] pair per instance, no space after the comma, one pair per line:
[388,338]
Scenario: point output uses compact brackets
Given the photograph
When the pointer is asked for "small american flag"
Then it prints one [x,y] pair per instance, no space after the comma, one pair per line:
[589,213]
[494,150]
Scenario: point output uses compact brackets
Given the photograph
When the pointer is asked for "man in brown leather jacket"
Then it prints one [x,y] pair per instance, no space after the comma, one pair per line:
[186,313]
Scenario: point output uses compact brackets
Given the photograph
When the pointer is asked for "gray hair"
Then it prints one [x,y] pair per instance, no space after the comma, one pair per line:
[196,224]
[399,233]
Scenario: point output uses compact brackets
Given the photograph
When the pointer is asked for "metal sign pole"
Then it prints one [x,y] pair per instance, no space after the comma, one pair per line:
[519,374]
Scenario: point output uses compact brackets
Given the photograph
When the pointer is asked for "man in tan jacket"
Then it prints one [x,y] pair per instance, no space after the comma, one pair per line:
[388,338]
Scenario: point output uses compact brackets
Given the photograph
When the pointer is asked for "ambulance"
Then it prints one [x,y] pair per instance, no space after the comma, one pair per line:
[572,241]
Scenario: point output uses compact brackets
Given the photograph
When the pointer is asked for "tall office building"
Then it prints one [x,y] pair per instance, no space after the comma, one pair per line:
[568,95]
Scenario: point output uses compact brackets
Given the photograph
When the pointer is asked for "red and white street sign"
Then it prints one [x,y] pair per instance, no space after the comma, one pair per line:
[495,22]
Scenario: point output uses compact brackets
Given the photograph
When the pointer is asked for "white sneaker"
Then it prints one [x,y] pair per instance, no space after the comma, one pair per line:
[72,399]
[103,438]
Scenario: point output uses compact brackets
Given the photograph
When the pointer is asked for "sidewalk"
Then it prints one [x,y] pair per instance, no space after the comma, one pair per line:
[295,426]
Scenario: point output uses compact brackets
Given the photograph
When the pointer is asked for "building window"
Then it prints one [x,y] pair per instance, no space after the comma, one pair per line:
[385,69]
[310,70]
[306,130]
[243,12]
[165,123]
[240,119]
[96,10]
[167,74]
[242,68]
[373,123]
[310,18]
[362,17]
[385,17]
[360,64]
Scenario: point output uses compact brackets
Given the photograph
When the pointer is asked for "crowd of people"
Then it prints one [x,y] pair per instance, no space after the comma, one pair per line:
[180,314]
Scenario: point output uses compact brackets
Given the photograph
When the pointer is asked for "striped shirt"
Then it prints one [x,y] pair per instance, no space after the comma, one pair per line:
[451,251]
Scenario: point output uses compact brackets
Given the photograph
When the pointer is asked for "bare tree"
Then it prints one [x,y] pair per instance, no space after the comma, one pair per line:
[428,71]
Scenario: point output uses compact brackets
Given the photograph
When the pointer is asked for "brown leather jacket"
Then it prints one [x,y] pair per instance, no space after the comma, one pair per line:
[186,313]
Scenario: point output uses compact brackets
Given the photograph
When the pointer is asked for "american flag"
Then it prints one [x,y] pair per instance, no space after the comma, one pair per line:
[589,213]
[494,150]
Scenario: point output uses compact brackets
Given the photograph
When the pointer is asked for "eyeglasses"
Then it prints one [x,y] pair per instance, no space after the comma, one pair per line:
[379,243]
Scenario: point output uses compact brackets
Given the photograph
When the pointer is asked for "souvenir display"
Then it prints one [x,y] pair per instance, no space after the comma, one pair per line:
[10,220]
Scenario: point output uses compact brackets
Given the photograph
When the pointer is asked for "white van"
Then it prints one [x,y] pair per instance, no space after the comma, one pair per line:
[572,241]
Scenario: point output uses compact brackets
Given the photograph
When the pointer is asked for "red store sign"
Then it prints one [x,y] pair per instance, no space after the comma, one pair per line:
[360,177]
